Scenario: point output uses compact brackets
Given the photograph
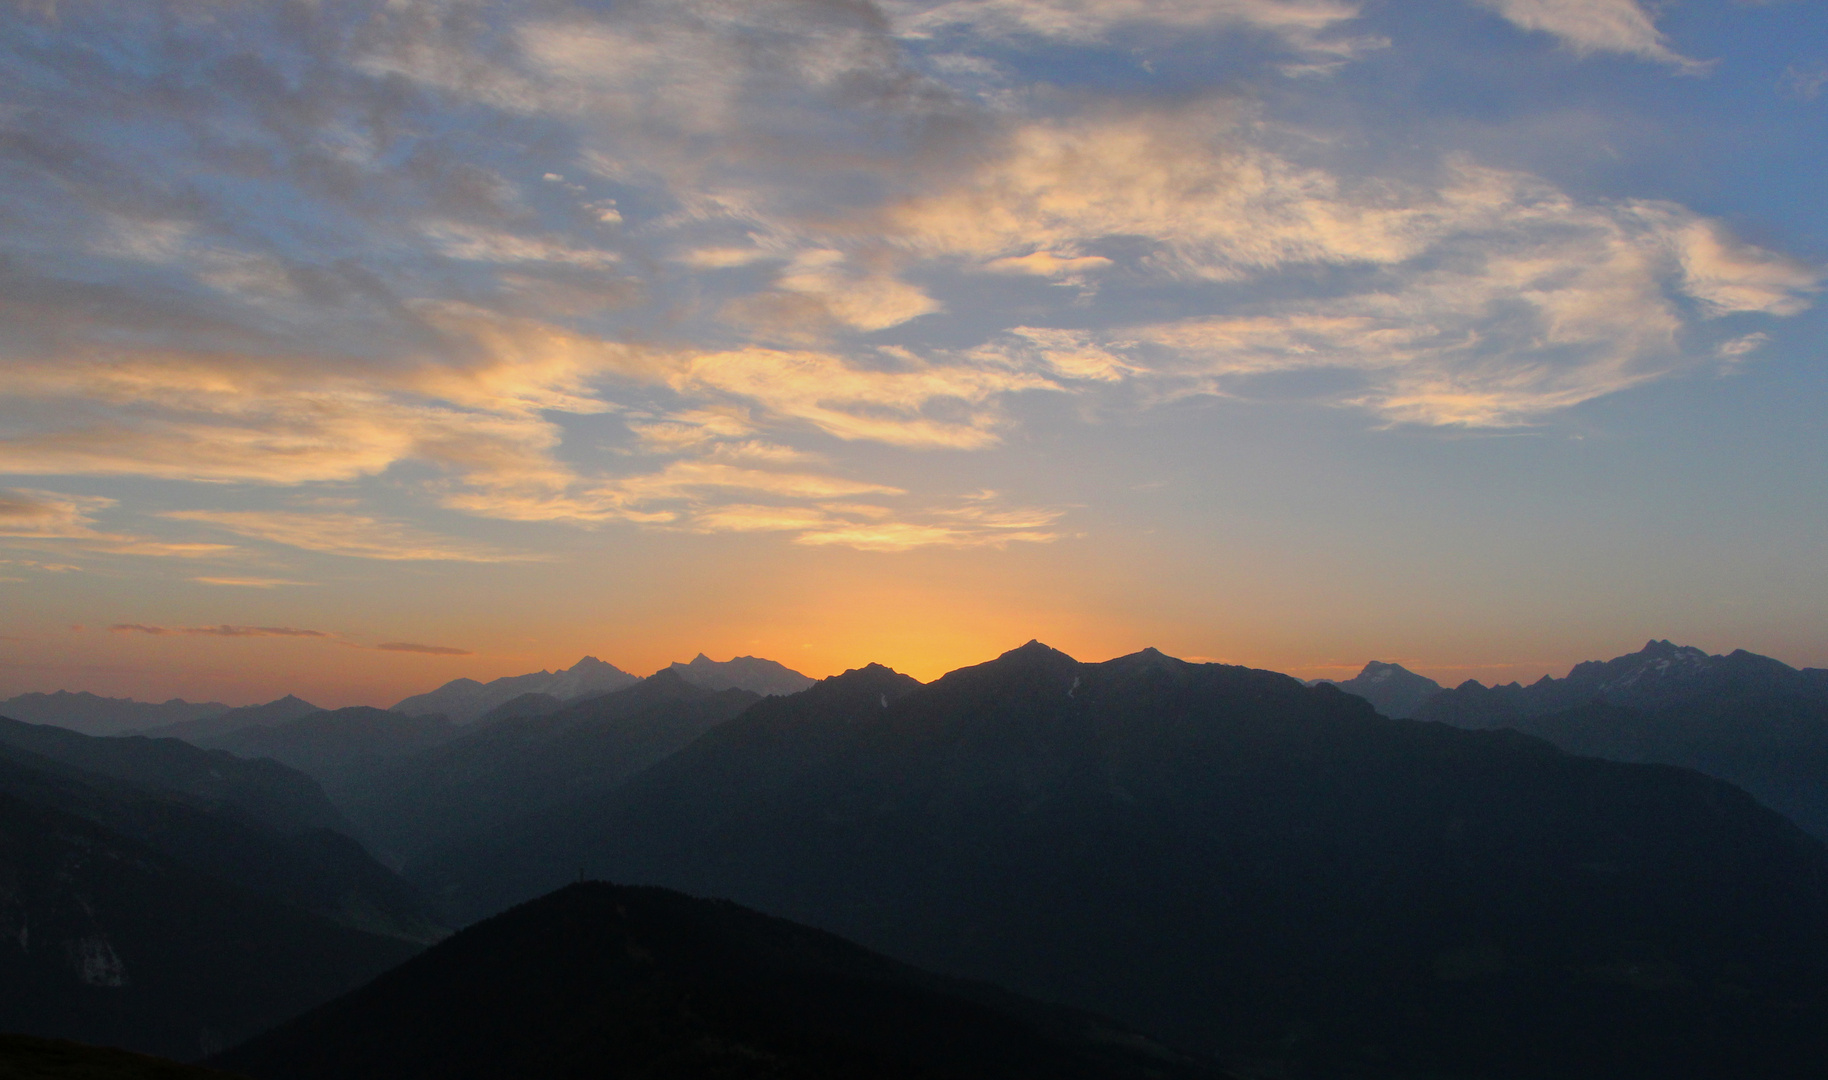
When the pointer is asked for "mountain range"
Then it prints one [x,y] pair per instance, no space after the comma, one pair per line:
[1267,873]
[279,711]
[464,700]
[94,715]
[461,701]
[462,791]
[751,673]
[1742,717]
[1236,863]
[340,748]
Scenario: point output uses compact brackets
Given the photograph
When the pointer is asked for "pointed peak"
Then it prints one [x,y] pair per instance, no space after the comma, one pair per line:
[1034,649]
[1148,659]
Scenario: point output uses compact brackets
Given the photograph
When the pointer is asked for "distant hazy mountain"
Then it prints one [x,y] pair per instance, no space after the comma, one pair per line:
[106,940]
[521,707]
[751,673]
[313,868]
[261,791]
[1240,864]
[1392,688]
[273,712]
[1743,717]
[597,980]
[340,747]
[92,715]
[465,700]
[472,786]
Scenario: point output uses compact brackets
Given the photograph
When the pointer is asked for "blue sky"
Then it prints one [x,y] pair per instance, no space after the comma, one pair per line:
[347,347]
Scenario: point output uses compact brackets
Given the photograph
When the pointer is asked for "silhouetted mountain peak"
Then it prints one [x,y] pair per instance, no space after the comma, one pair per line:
[1032,668]
[753,673]
[871,680]
[1032,655]
[1392,688]
[1150,663]
[466,700]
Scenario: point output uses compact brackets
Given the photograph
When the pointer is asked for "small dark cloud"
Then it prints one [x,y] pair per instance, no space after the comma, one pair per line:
[224,630]
[429,650]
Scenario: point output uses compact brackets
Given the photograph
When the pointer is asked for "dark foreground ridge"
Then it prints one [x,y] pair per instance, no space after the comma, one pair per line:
[603,980]
[23,1057]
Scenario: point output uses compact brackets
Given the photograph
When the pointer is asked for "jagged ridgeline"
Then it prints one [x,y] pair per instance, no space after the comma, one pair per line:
[1237,863]
[1742,717]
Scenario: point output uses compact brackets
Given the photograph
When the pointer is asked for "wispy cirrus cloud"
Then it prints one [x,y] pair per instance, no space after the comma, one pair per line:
[354,535]
[983,520]
[1309,28]
[1487,298]
[714,257]
[1588,26]
[32,516]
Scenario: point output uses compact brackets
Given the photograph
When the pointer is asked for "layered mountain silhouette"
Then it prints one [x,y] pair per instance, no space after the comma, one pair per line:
[1742,717]
[467,789]
[265,792]
[340,748]
[521,707]
[279,711]
[464,700]
[599,980]
[165,898]
[1392,689]
[94,715]
[106,940]
[1237,863]
[751,673]
[314,868]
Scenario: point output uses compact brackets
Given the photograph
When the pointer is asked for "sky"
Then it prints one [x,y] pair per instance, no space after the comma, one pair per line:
[350,346]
